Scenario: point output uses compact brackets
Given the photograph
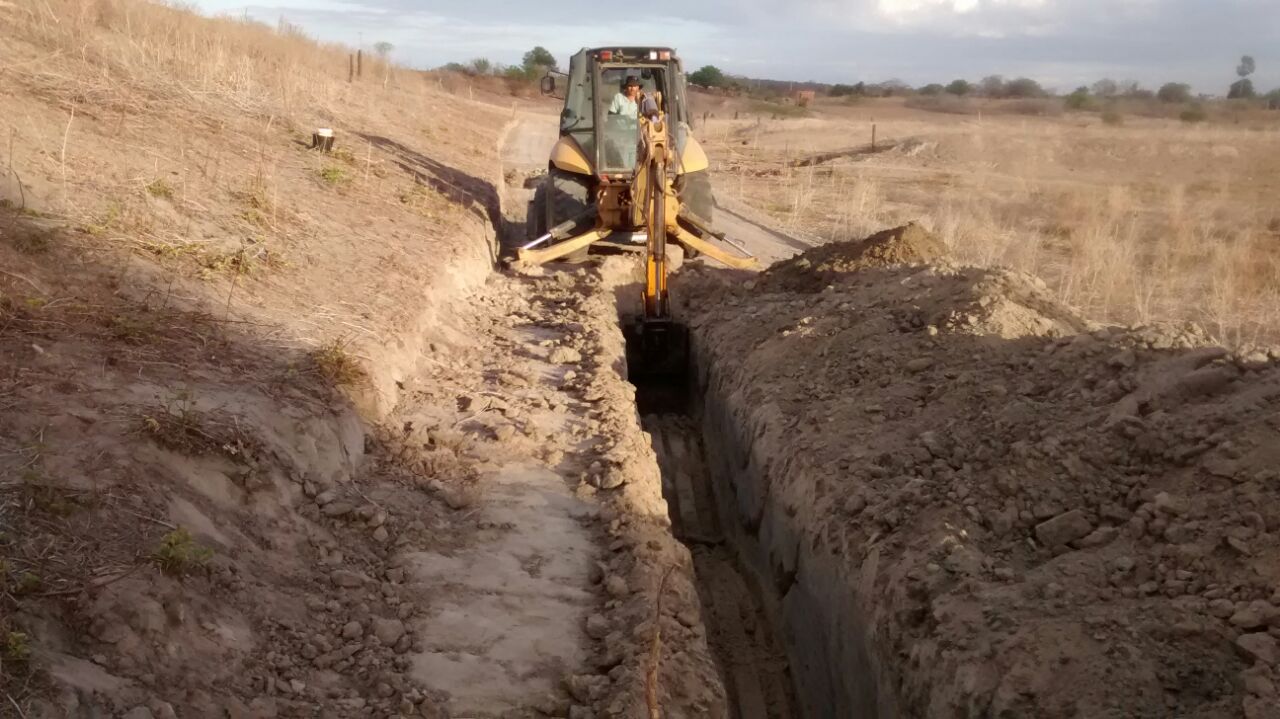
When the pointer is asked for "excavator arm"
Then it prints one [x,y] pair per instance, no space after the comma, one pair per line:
[656,344]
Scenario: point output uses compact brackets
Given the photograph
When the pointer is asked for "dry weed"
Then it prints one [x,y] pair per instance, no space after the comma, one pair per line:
[335,363]
[179,554]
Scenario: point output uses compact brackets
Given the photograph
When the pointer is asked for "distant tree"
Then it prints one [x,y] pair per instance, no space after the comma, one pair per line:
[481,66]
[1241,90]
[1079,100]
[960,87]
[839,90]
[1174,92]
[457,67]
[1273,99]
[537,61]
[1023,87]
[1194,114]
[1134,91]
[1106,87]
[1246,66]
[932,88]
[708,76]
[383,48]
[889,88]
[992,86]
[860,89]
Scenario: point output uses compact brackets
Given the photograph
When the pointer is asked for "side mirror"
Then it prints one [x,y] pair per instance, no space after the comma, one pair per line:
[548,84]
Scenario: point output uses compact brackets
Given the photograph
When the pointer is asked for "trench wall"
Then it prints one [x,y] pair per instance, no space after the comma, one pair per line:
[818,604]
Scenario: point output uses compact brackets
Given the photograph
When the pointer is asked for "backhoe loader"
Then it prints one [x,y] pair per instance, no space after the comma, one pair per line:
[628,178]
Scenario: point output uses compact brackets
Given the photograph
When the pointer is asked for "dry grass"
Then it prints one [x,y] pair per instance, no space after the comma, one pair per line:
[136,117]
[167,50]
[336,363]
[1155,220]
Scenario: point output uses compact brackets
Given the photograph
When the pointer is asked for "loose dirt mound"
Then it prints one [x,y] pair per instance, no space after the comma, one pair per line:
[993,507]
[815,269]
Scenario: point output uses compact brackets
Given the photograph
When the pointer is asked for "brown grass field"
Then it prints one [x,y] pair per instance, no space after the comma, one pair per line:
[1143,221]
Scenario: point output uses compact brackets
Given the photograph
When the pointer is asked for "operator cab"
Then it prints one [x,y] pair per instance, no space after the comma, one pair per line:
[598,76]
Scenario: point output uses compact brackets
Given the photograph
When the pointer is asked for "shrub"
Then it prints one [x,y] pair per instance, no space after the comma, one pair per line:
[959,87]
[1174,92]
[333,174]
[159,188]
[950,104]
[1112,117]
[1242,90]
[16,647]
[1023,87]
[932,89]
[1044,107]
[1195,113]
[1079,100]
[336,364]
[1106,87]
[179,554]
[707,76]
[992,86]
[537,61]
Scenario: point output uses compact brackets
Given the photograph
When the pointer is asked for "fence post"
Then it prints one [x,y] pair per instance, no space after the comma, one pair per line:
[351,67]
[873,137]
[359,63]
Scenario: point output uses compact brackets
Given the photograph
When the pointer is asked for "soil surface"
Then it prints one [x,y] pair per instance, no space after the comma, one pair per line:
[1014,512]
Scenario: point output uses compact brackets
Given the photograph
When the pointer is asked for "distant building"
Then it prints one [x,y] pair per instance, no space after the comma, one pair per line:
[802,98]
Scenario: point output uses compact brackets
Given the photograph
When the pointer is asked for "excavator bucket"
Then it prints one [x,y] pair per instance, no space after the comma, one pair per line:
[657,355]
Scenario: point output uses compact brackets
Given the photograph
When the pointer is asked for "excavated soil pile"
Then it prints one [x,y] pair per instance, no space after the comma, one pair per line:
[972,502]
[815,269]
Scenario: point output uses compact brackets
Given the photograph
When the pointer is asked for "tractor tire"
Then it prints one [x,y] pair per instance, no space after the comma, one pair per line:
[695,193]
[536,221]
[569,196]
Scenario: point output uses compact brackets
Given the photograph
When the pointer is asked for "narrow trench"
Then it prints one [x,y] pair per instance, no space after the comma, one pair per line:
[740,632]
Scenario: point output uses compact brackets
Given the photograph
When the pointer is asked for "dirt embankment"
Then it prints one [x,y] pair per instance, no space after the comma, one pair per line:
[973,502]
[275,440]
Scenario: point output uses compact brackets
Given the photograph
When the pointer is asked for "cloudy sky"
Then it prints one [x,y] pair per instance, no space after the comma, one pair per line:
[1062,43]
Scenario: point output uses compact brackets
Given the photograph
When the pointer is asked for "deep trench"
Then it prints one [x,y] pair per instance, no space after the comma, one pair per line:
[739,610]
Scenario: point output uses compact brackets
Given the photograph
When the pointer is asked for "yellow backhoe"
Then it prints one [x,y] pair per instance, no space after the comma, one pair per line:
[627,174]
